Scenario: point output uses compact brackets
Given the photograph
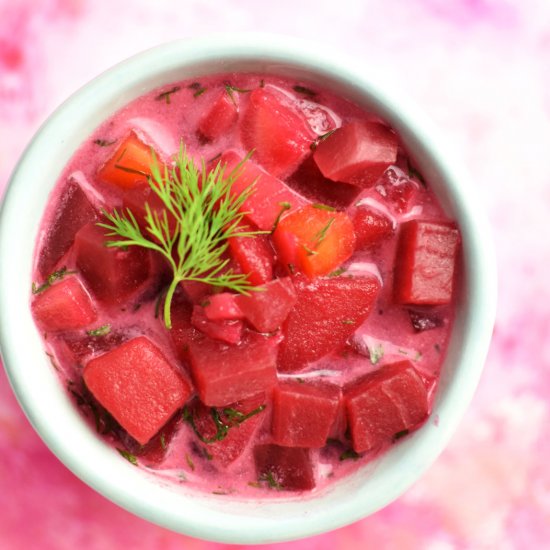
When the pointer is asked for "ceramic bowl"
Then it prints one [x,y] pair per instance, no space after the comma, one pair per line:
[43,398]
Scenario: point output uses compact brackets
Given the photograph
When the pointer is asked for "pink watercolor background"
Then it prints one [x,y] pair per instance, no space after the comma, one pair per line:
[480,69]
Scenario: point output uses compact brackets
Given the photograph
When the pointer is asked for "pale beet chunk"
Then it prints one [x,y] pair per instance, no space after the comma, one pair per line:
[425,263]
[267,309]
[384,404]
[357,153]
[112,274]
[304,413]
[372,226]
[220,118]
[222,307]
[65,305]
[73,211]
[138,386]
[229,331]
[224,374]
[284,467]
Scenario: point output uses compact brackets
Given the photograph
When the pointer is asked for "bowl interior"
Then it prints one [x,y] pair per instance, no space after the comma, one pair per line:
[44,400]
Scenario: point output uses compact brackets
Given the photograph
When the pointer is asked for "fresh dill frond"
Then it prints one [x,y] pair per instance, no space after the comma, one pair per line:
[200,213]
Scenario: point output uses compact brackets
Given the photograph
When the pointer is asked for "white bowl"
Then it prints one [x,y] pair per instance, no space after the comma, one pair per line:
[45,401]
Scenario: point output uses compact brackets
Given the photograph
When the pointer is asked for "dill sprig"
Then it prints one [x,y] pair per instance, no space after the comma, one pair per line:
[206,215]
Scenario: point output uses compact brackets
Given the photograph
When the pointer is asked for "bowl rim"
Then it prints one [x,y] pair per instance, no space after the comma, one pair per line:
[477,324]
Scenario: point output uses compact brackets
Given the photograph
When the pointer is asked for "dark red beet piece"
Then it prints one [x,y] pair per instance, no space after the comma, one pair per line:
[229,331]
[73,211]
[138,386]
[224,374]
[371,225]
[304,413]
[254,255]
[66,305]
[397,189]
[310,182]
[267,309]
[357,153]
[284,467]
[277,132]
[113,274]
[326,314]
[384,404]
[424,319]
[182,332]
[234,441]
[425,263]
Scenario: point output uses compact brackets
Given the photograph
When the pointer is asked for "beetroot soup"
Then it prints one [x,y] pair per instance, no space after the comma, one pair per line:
[246,285]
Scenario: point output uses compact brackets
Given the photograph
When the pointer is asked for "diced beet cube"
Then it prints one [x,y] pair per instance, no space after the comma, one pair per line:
[222,306]
[224,374]
[310,182]
[372,226]
[304,413]
[225,331]
[327,312]
[267,310]
[232,442]
[270,195]
[182,332]
[277,132]
[397,189]
[220,118]
[425,319]
[385,403]
[113,274]
[138,386]
[130,165]
[314,240]
[425,263]
[64,306]
[284,467]
[73,211]
[254,255]
[357,153]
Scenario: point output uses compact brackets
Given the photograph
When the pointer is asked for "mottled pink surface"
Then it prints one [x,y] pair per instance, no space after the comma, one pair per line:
[480,69]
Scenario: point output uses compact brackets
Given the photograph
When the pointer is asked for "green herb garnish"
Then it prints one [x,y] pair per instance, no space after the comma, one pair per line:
[269,478]
[162,441]
[166,95]
[400,434]
[320,206]
[229,88]
[284,207]
[321,138]
[414,173]
[51,279]
[128,456]
[190,462]
[320,236]
[348,322]
[52,361]
[101,331]
[206,215]
[375,354]
[337,272]
[199,92]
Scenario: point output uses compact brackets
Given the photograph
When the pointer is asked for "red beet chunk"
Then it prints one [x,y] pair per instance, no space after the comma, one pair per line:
[138,387]
[425,264]
[326,314]
[224,374]
[424,319]
[397,189]
[304,413]
[284,467]
[222,306]
[221,117]
[254,256]
[385,403]
[277,132]
[357,153]
[310,182]
[182,332]
[64,306]
[270,194]
[226,445]
[73,211]
[224,331]
[267,310]
[371,226]
[113,274]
